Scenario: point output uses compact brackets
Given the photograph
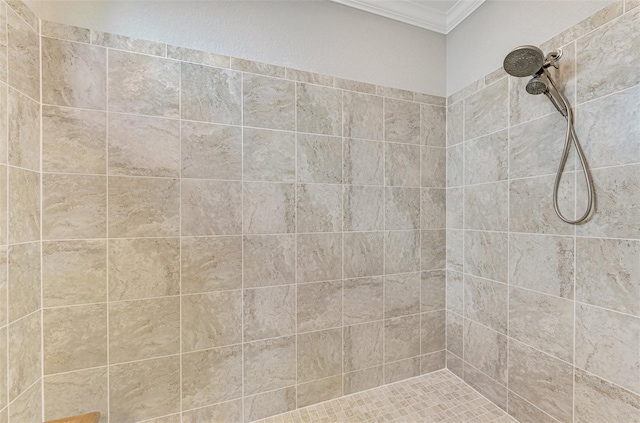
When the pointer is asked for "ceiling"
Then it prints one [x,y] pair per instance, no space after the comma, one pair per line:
[435,15]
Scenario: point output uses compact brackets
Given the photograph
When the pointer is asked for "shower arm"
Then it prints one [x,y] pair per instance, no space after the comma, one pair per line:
[570,136]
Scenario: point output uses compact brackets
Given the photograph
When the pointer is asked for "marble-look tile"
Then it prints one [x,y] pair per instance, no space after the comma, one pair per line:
[76,393]
[257,67]
[455,123]
[363,208]
[211,320]
[74,206]
[400,370]
[73,140]
[23,11]
[3,42]
[531,205]
[268,155]
[65,32]
[4,122]
[524,107]
[617,211]
[466,91]
[455,335]
[211,264]
[363,300]
[319,306]
[401,338]
[363,346]
[27,407]
[23,115]
[144,329]
[230,411]
[401,294]
[211,151]
[24,354]
[269,365]
[143,207]
[486,159]
[433,125]
[606,128]
[319,208]
[430,99]
[202,372]
[266,404]
[542,321]
[542,263]
[269,312]
[143,268]
[23,48]
[394,93]
[455,250]
[318,110]
[268,260]
[211,94]
[268,102]
[363,162]
[455,166]
[362,116]
[608,274]
[363,254]
[350,85]
[401,121]
[122,42]
[23,262]
[433,167]
[487,110]
[433,362]
[597,400]
[402,251]
[486,206]
[143,84]
[607,345]
[494,76]
[74,74]
[362,380]
[319,159]
[319,390]
[433,290]
[402,165]
[197,56]
[454,208]
[597,78]
[486,350]
[630,4]
[402,208]
[269,208]
[544,381]
[455,292]
[433,331]
[319,257]
[433,251]
[487,386]
[485,255]
[144,389]
[143,146]
[211,207]
[525,412]
[455,365]
[312,78]
[74,272]
[319,355]
[74,338]
[486,302]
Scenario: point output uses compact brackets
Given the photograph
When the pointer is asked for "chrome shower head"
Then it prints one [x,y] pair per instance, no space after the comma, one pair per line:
[537,86]
[524,61]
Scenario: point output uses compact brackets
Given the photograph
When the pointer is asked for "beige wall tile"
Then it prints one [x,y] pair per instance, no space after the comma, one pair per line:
[269,364]
[399,370]
[268,155]
[24,131]
[319,355]
[486,207]
[269,312]
[402,251]
[74,338]
[143,329]
[401,338]
[319,208]
[454,208]
[402,208]
[144,389]
[523,411]
[455,292]
[402,165]
[486,302]
[363,162]
[211,95]
[127,43]
[433,167]
[363,300]
[28,407]
[24,352]
[432,331]
[211,151]
[4,40]
[319,159]
[363,346]
[211,264]
[24,279]
[268,102]
[313,78]
[401,121]
[143,84]
[486,159]
[362,116]
[74,393]
[432,362]
[486,386]
[197,56]
[402,295]
[363,208]
[65,32]
[211,207]
[143,146]
[257,67]
[143,207]
[487,110]
[269,404]
[319,257]
[363,379]
[455,119]
[486,350]
[74,206]
[433,291]
[202,372]
[599,400]
[4,370]
[4,121]
[454,166]
[432,246]
[433,205]
[269,260]
[318,109]
[455,250]
[455,365]
[485,255]
[319,306]
[363,253]
[73,140]
[224,411]
[74,74]
[433,125]
[268,208]
[143,268]
[319,390]
[23,55]
[211,320]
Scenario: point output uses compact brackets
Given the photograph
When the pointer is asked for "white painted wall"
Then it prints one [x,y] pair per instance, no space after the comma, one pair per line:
[479,44]
[317,36]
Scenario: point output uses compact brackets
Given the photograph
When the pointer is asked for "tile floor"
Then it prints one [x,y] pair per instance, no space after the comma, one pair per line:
[435,397]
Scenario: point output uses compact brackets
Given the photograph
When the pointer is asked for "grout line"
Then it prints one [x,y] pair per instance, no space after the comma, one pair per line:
[107,240]
[40,243]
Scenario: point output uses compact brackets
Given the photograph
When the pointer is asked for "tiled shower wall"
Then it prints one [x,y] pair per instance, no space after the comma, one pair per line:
[226,240]
[543,317]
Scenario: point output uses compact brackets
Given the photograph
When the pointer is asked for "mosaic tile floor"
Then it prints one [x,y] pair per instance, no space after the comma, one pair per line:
[435,397]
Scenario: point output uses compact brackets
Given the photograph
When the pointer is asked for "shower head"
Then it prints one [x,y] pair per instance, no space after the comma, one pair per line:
[537,86]
[524,61]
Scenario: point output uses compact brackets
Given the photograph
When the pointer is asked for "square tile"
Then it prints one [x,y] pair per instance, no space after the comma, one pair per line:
[401,121]
[211,320]
[269,364]
[319,257]
[269,312]
[211,207]
[363,300]
[319,208]
[362,116]
[319,159]
[269,208]
[268,102]
[319,355]
[363,346]
[211,94]
[211,151]
[363,162]
[269,260]
[211,264]
[268,155]
[319,306]
[318,109]
[363,208]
